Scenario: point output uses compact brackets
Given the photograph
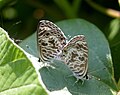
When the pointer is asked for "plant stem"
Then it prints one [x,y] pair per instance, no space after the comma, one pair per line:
[107,11]
[65,6]
[76,5]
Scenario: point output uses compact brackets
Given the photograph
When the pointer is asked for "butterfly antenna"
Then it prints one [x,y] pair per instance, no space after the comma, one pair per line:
[14,25]
[96,70]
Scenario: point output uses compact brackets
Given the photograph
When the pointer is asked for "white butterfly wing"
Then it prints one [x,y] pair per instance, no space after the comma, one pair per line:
[50,40]
[75,55]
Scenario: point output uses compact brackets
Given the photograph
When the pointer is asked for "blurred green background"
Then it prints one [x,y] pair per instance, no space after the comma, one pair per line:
[20,17]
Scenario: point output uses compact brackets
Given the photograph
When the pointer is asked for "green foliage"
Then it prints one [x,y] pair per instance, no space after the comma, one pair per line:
[114,39]
[70,10]
[100,62]
[3,2]
[17,75]
[20,17]
[114,29]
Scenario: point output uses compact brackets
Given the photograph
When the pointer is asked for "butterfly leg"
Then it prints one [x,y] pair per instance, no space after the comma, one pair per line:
[39,60]
[68,77]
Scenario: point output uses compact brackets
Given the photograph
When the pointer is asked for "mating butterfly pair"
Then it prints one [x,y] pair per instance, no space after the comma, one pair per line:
[52,44]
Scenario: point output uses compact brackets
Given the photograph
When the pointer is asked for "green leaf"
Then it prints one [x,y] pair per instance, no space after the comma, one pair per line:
[116,59]
[17,74]
[100,62]
[114,29]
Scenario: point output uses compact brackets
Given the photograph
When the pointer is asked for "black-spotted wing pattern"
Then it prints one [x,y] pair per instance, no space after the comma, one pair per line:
[75,55]
[50,40]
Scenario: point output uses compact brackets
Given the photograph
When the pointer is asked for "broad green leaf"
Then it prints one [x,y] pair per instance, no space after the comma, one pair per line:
[100,62]
[17,74]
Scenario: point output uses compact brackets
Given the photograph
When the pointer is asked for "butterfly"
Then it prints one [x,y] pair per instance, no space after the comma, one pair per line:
[52,44]
[50,41]
[75,56]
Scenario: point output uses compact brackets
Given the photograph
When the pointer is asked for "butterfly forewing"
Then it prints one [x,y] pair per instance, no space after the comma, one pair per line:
[50,40]
[75,55]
